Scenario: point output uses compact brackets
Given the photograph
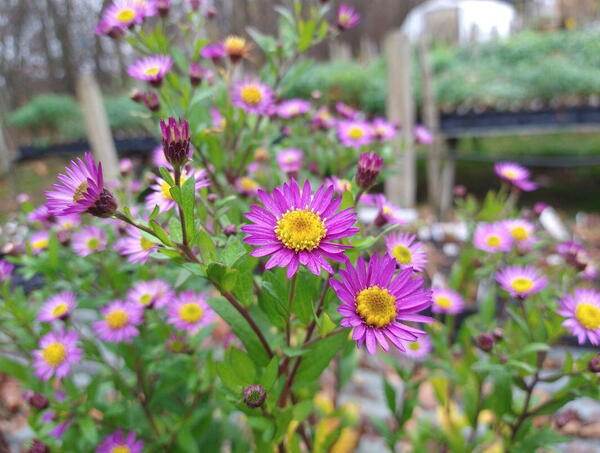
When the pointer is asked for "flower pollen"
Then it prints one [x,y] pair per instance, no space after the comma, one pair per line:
[519,233]
[588,316]
[251,95]
[78,194]
[191,312]
[54,354]
[117,319]
[356,133]
[300,229]
[493,241]
[376,306]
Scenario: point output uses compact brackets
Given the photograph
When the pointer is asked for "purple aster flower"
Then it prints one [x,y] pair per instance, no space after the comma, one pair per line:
[190,312]
[59,306]
[422,135]
[136,246]
[81,189]
[58,350]
[407,250]
[346,111]
[292,107]
[215,51]
[120,321]
[299,227]
[148,7]
[447,301]
[151,69]
[347,17]
[418,349]
[368,168]
[122,14]
[59,430]
[39,242]
[42,215]
[118,443]
[387,211]
[6,270]
[515,174]
[522,232]
[252,96]
[521,281]
[582,310]
[89,240]
[151,294]
[376,304]
[68,222]
[290,160]
[247,185]
[322,119]
[161,195]
[339,185]
[354,134]
[492,237]
[383,130]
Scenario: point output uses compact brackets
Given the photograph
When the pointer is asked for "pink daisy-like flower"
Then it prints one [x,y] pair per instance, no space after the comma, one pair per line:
[354,134]
[151,294]
[41,215]
[247,185]
[387,211]
[346,111]
[347,17]
[120,321]
[117,442]
[339,185]
[214,51]
[190,312]
[68,222]
[407,250]
[122,14]
[292,107]
[383,130]
[582,310]
[58,351]
[522,232]
[422,135]
[151,69]
[81,189]
[290,160]
[161,196]
[515,174]
[447,301]
[375,303]
[136,246]
[6,270]
[418,349]
[148,7]
[252,96]
[39,242]
[492,237]
[59,306]
[323,119]
[89,240]
[521,281]
[299,227]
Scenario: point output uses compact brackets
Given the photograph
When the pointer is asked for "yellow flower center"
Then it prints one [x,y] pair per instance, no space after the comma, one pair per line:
[67,225]
[93,243]
[234,45]
[493,241]
[60,310]
[126,15]
[146,299]
[510,174]
[191,312]
[251,95]
[588,316]
[376,306]
[165,187]
[40,244]
[402,254]
[248,184]
[120,449]
[356,133]
[117,319]
[414,345]
[519,233]
[54,354]
[521,284]
[83,187]
[387,210]
[300,229]
[443,301]
[344,18]
[146,243]
[345,185]
[152,71]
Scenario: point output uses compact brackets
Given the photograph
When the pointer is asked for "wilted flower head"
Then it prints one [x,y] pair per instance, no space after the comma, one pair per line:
[367,170]
[151,101]
[407,250]
[521,281]
[119,321]
[252,96]
[89,240]
[58,351]
[59,306]
[290,160]
[175,141]
[81,189]
[347,17]
[151,69]
[492,237]
[582,310]
[354,133]
[298,227]
[196,73]
[163,7]
[292,107]
[485,341]
[377,304]
[236,48]
[447,301]
[117,442]
[37,400]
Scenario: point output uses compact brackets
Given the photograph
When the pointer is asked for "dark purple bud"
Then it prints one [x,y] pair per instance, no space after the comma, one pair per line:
[594,364]
[230,230]
[254,396]
[367,170]
[175,141]
[151,101]
[196,73]
[105,206]
[136,96]
[212,197]
[498,334]
[163,7]
[460,191]
[485,341]
[37,401]
[38,447]
[211,12]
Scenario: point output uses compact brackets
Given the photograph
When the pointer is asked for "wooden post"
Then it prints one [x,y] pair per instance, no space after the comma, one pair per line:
[401,186]
[5,159]
[447,178]
[96,124]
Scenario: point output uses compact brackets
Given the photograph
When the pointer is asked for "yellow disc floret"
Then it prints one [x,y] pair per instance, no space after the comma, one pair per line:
[300,229]
[81,189]
[356,133]
[588,316]
[376,306]
[190,312]
[146,243]
[251,95]
[120,449]
[402,254]
[443,301]
[493,241]
[414,345]
[235,45]
[126,15]
[117,319]
[521,284]
[519,233]
[54,354]
[152,71]
[59,310]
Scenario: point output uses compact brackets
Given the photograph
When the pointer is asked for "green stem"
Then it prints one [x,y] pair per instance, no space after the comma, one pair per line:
[288,323]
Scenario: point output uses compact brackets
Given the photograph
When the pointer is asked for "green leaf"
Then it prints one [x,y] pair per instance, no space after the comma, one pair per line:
[160,233]
[188,203]
[532,347]
[242,365]
[321,354]
[233,251]
[166,175]
[269,374]
[390,396]
[175,229]
[307,294]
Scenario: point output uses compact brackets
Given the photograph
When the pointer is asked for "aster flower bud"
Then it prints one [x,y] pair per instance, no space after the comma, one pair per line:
[211,12]
[38,447]
[254,396]
[460,191]
[37,401]
[212,197]
[594,364]
[498,334]
[163,7]
[230,230]
[151,101]
[136,96]
[175,141]
[196,74]
[485,341]
[369,166]
[105,206]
